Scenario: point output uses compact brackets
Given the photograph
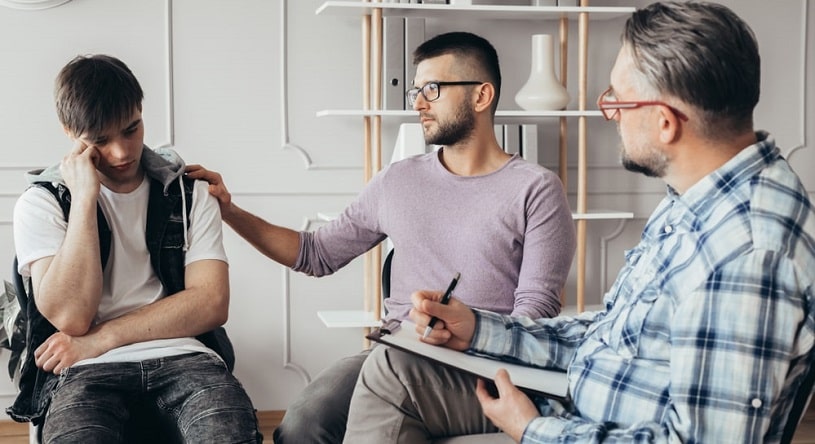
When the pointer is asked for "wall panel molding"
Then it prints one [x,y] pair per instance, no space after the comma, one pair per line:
[286,142]
[168,52]
[32,4]
[802,115]
[288,364]
[604,241]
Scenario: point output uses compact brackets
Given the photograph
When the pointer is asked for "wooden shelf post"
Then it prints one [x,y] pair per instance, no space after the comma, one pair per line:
[582,207]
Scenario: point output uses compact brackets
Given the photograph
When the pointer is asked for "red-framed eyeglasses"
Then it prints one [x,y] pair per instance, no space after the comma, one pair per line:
[610,108]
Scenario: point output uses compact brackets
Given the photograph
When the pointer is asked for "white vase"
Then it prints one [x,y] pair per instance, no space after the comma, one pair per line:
[542,91]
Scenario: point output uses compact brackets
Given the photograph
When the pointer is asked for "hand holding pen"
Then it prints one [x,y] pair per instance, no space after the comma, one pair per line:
[445,299]
[459,319]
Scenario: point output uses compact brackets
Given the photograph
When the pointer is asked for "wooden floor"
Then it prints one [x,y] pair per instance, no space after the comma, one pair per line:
[805,433]
[15,433]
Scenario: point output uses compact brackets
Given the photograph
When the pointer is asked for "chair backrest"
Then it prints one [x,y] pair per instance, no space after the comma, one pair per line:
[17,329]
[19,285]
[386,275]
[800,403]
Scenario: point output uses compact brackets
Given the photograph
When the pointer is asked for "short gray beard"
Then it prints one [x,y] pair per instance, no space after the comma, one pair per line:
[653,166]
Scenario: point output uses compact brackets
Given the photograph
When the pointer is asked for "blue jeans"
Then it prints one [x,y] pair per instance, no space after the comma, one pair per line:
[194,396]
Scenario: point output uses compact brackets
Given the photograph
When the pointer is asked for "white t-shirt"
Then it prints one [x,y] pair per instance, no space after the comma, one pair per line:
[129,281]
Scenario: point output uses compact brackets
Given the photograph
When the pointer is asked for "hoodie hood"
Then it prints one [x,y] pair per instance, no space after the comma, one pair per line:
[162,164]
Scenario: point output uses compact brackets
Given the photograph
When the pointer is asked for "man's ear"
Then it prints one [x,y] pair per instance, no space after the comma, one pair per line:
[670,126]
[68,132]
[486,94]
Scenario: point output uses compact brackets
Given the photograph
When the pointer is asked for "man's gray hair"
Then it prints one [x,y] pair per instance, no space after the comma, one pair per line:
[702,54]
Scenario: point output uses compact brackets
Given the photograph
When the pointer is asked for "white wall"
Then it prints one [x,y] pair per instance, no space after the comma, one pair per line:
[215,77]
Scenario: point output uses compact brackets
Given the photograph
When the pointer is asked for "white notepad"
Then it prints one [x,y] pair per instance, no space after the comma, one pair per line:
[536,381]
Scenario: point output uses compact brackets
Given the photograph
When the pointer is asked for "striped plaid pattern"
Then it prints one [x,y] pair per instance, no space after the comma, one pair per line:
[707,329]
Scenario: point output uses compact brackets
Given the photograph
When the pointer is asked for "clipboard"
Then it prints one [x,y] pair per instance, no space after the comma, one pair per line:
[534,381]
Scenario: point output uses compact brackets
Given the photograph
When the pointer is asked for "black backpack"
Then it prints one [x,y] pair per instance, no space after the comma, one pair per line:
[16,312]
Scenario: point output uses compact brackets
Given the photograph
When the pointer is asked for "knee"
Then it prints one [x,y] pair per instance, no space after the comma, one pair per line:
[91,434]
[222,425]
[320,412]
[222,412]
[319,404]
[388,366]
[309,420]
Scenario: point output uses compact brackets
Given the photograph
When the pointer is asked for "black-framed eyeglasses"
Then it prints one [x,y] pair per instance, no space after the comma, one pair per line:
[610,108]
[431,90]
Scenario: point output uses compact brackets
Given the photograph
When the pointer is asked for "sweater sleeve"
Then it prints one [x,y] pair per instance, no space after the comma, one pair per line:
[355,231]
[549,245]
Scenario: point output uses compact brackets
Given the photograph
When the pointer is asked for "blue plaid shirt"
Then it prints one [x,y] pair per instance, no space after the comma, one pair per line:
[706,332]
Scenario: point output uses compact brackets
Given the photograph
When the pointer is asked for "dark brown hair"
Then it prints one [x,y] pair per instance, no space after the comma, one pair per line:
[471,50]
[95,92]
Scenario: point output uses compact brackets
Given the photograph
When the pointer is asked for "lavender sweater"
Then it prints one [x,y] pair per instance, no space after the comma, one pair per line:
[509,233]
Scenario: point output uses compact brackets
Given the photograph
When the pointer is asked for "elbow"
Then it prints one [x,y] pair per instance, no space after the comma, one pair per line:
[219,311]
[536,306]
[71,324]
[75,329]
[220,317]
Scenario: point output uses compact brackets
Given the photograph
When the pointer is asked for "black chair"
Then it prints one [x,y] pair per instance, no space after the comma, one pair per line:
[800,403]
[386,275]
[19,286]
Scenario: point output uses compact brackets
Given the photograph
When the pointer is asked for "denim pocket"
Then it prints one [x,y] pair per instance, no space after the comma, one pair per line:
[173,236]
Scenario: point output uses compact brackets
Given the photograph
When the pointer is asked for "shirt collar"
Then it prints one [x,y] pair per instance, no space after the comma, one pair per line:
[703,196]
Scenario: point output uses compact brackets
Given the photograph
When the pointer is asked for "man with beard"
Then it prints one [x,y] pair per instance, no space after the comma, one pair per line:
[503,223]
[707,333]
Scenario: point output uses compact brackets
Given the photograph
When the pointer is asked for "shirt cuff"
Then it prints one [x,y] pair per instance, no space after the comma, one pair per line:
[543,429]
[491,336]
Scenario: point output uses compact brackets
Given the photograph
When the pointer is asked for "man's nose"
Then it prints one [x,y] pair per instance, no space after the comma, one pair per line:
[118,149]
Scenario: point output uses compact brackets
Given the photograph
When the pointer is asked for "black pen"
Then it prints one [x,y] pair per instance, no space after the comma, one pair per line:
[444,300]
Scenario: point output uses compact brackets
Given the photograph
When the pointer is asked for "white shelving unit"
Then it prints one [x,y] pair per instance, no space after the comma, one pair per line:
[501,117]
[490,12]
[371,12]
[349,318]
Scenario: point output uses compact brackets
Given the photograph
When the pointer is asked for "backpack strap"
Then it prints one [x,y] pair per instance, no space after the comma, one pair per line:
[63,196]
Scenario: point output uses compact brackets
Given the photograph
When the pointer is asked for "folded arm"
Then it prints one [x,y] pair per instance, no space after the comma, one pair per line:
[201,307]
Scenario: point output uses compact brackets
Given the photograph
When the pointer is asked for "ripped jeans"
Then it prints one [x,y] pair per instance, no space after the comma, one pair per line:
[194,396]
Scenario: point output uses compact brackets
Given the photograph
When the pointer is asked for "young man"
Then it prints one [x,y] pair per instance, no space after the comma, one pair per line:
[708,330]
[127,268]
[471,208]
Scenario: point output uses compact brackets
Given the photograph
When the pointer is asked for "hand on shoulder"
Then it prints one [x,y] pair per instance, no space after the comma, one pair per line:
[217,188]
